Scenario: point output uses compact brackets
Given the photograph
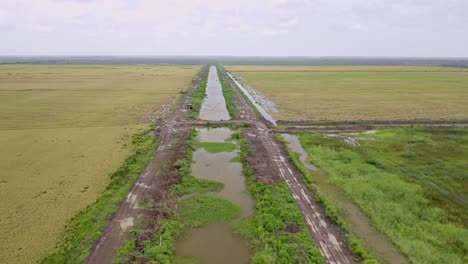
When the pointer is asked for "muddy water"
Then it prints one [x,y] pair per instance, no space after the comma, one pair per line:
[214,106]
[259,107]
[379,245]
[216,243]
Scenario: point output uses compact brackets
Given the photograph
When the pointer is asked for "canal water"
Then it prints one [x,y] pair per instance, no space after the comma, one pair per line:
[379,245]
[216,243]
[214,105]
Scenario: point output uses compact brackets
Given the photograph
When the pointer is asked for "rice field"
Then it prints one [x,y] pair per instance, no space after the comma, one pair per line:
[63,130]
[360,92]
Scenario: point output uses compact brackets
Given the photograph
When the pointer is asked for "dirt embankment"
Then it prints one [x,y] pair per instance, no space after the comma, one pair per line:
[270,162]
[149,199]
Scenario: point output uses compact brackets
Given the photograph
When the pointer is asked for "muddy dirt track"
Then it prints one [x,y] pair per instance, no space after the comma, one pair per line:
[270,163]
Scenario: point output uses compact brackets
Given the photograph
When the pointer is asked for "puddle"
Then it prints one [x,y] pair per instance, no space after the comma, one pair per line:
[219,247]
[295,145]
[214,106]
[216,243]
[384,250]
[219,134]
[218,167]
[259,107]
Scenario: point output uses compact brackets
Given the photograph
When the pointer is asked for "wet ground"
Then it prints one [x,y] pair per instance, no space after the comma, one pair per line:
[384,250]
[214,106]
[257,105]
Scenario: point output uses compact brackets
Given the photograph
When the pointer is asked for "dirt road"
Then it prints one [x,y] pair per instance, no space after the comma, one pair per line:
[151,186]
[326,235]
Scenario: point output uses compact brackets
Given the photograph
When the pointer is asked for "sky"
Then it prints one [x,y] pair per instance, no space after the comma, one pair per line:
[401,28]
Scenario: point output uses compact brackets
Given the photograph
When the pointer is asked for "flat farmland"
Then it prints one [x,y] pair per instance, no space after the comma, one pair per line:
[360,92]
[63,131]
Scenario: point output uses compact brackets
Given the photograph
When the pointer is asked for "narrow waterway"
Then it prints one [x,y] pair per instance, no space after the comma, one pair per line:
[216,243]
[214,105]
[380,246]
[259,107]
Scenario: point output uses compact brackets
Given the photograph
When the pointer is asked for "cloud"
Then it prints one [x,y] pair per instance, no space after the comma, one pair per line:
[239,27]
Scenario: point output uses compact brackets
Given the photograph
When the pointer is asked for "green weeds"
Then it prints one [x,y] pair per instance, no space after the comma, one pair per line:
[276,209]
[199,95]
[331,208]
[389,186]
[216,147]
[229,95]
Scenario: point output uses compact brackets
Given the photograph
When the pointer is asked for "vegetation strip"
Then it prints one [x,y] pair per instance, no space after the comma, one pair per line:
[387,192]
[331,208]
[84,228]
[277,231]
[229,95]
[194,211]
[196,100]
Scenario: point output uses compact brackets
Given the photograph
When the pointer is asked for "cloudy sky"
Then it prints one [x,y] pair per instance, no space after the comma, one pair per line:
[425,28]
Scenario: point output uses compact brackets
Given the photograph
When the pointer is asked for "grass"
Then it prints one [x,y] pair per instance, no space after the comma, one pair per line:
[199,95]
[361,92]
[229,95]
[388,178]
[216,147]
[194,185]
[332,210]
[275,210]
[85,227]
[64,130]
[53,96]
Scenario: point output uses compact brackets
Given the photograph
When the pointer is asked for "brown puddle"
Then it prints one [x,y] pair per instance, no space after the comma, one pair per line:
[379,245]
[216,243]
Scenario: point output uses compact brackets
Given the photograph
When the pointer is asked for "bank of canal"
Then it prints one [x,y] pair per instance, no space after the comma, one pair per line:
[359,224]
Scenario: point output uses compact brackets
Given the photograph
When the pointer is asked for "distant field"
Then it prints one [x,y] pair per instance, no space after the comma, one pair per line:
[63,130]
[361,92]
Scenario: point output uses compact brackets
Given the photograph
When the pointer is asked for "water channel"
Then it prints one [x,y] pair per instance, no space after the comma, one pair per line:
[216,242]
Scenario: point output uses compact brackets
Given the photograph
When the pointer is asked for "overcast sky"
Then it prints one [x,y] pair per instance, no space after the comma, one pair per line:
[423,28]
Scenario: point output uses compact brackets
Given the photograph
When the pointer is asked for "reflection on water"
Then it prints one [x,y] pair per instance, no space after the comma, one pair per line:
[214,106]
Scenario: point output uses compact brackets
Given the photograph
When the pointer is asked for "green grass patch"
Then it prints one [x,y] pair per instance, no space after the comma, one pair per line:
[85,227]
[193,185]
[194,211]
[199,95]
[275,210]
[391,186]
[331,208]
[202,209]
[216,147]
[229,95]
